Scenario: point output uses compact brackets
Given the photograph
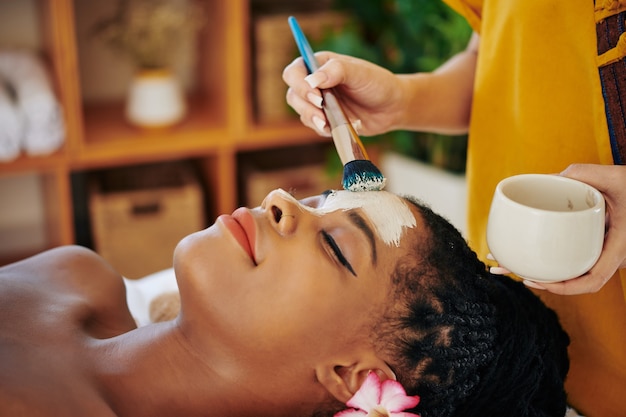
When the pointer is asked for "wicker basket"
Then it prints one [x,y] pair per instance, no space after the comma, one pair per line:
[140,214]
[302,182]
[274,49]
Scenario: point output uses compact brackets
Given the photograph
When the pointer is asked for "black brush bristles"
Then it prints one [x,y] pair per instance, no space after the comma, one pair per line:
[362,175]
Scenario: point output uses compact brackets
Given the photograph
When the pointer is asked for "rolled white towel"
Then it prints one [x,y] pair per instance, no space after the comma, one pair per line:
[11,124]
[44,130]
[141,292]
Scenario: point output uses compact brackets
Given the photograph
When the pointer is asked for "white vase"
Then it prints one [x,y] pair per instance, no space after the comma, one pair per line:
[155,99]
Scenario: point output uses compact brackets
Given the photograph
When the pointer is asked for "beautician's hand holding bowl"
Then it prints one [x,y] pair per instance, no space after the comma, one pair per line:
[546,228]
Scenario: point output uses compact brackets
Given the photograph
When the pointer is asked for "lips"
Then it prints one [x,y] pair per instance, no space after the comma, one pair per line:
[241,225]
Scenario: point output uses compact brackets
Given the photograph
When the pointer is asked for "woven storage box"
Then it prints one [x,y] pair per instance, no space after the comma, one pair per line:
[302,182]
[274,49]
[139,215]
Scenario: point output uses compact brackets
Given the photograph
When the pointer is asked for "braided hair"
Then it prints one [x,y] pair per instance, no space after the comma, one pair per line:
[468,342]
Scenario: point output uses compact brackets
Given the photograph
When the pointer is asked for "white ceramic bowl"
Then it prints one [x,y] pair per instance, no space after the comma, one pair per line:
[546,228]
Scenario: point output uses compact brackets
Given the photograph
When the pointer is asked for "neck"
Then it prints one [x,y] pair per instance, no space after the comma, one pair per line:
[152,371]
[156,371]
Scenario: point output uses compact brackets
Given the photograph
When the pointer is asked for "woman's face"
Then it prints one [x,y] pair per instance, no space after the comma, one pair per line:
[294,280]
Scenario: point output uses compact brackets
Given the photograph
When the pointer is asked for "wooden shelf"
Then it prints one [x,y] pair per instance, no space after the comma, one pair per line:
[109,139]
[24,164]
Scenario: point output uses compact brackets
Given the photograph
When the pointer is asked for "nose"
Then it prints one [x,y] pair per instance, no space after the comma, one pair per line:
[283,211]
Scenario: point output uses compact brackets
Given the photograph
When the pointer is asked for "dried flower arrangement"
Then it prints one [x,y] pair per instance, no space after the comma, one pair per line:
[149,31]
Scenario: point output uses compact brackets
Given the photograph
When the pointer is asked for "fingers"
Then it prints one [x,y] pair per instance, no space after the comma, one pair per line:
[304,99]
[585,284]
[310,115]
[591,282]
[331,73]
[580,285]
[304,95]
[533,284]
[496,270]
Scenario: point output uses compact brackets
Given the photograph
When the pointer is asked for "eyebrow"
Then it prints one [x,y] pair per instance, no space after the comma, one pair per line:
[362,225]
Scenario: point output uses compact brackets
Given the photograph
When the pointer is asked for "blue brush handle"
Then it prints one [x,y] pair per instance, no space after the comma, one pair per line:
[303,45]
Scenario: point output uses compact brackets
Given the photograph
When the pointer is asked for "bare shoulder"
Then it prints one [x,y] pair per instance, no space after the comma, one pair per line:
[52,305]
[63,254]
[60,260]
[73,278]
[69,269]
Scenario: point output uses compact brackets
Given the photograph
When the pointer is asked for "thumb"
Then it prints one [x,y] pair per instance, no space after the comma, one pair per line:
[594,175]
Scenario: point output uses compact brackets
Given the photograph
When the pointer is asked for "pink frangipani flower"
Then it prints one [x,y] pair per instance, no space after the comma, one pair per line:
[376,399]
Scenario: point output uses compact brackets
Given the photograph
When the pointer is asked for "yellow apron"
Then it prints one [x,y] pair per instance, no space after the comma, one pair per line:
[538,107]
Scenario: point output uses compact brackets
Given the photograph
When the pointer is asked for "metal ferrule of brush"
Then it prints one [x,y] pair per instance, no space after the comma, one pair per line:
[347,141]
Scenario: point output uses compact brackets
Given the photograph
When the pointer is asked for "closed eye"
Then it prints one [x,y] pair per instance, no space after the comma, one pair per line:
[332,245]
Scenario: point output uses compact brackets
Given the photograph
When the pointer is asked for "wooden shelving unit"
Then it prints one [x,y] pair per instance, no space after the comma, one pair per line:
[220,124]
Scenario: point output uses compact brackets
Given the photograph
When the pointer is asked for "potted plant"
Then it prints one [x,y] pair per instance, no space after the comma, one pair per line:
[148,32]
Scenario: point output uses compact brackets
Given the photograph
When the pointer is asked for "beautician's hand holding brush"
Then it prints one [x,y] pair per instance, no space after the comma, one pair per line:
[359,173]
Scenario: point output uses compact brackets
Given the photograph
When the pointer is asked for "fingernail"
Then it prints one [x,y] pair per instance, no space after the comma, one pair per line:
[315,100]
[357,125]
[497,270]
[315,79]
[319,123]
[534,285]
[490,257]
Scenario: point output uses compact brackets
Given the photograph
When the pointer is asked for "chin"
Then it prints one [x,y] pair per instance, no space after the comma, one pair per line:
[205,254]
[200,244]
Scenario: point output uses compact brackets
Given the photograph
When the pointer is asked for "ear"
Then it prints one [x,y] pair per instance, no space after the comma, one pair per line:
[343,378]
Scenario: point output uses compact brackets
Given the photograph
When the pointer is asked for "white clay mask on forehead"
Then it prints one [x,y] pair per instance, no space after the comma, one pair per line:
[388,213]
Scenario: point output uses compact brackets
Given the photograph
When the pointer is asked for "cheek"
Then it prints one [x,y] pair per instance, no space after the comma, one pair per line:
[316,308]
[295,287]
[293,301]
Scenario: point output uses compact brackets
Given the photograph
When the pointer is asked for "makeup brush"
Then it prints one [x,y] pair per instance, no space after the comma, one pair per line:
[359,173]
